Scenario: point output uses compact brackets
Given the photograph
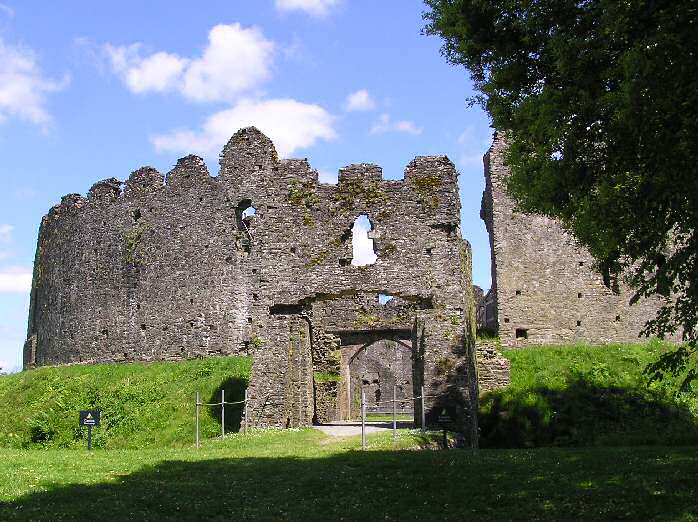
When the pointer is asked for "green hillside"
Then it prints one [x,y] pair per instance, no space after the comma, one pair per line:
[142,404]
[588,396]
[559,396]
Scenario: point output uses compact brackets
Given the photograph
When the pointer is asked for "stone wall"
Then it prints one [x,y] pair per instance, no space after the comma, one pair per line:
[171,267]
[545,288]
[493,369]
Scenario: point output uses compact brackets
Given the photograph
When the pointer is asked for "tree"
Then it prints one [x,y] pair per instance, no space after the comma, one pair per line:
[599,103]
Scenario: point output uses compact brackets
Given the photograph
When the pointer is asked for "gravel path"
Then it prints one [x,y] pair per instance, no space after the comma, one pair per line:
[351,428]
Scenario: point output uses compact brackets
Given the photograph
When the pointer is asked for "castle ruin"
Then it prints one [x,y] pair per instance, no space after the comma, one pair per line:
[545,288]
[258,261]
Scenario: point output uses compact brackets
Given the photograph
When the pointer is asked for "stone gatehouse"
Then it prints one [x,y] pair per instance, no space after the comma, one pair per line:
[258,261]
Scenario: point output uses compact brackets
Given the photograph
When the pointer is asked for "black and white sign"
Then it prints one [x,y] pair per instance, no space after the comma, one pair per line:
[89,417]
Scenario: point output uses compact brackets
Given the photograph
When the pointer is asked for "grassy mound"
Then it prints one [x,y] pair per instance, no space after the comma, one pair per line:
[587,396]
[142,404]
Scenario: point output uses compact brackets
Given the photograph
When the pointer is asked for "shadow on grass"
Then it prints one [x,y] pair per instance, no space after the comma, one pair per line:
[583,414]
[234,392]
[553,484]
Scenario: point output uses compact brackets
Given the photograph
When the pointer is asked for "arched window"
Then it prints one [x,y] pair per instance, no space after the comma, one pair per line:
[363,249]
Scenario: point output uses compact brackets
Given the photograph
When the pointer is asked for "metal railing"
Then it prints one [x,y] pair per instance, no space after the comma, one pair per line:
[222,405]
[394,401]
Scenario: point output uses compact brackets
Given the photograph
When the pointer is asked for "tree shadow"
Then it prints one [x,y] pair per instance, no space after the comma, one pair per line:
[583,414]
[409,485]
[234,392]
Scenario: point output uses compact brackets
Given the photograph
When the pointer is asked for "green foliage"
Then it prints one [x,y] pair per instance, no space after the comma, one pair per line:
[142,404]
[133,241]
[584,395]
[326,377]
[257,341]
[600,109]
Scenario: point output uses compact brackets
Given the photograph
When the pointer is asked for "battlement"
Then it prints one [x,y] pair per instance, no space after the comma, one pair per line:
[252,261]
[249,161]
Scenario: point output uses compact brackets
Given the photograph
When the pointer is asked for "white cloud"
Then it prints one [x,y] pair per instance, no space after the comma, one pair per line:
[6,233]
[360,101]
[23,87]
[7,10]
[157,72]
[15,279]
[290,124]
[362,247]
[5,238]
[312,7]
[386,124]
[236,60]
[472,144]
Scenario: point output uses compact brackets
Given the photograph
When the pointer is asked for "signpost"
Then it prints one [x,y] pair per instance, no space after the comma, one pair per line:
[445,421]
[89,418]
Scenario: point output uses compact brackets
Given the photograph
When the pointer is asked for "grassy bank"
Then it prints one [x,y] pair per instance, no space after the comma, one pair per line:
[143,404]
[587,396]
[302,475]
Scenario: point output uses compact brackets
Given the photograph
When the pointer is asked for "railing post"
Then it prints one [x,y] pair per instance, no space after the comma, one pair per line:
[197,420]
[423,411]
[363,419]
[222,413]
[394,413]
[244,426]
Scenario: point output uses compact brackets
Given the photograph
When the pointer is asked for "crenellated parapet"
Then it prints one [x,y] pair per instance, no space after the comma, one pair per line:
[143,181]
[262,260]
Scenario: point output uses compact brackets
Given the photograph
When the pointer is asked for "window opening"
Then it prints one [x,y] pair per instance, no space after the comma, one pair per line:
[246,215]
[521,333]
[518,292]
[363,248]
[579,323]
[384,299]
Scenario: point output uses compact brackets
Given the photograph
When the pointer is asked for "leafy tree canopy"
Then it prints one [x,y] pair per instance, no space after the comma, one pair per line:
[599,103]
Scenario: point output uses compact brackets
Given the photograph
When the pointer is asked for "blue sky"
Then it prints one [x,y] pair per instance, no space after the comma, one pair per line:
[89,91]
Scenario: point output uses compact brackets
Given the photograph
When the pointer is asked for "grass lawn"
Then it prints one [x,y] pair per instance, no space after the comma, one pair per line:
[384,417]
[303,475]
[583,395]
[143,404]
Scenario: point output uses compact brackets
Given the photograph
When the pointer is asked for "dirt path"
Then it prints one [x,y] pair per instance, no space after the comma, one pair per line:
[351,428]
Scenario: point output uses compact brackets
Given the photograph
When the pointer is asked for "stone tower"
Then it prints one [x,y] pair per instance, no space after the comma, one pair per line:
[258,261]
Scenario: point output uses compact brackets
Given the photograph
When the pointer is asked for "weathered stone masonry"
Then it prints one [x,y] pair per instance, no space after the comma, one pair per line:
[170,268]
[544,285]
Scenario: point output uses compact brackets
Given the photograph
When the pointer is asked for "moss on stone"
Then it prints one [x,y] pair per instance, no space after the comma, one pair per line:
[445,365]
[257,342]
[349,191]
[426,188]
[302,195]
[133,240]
